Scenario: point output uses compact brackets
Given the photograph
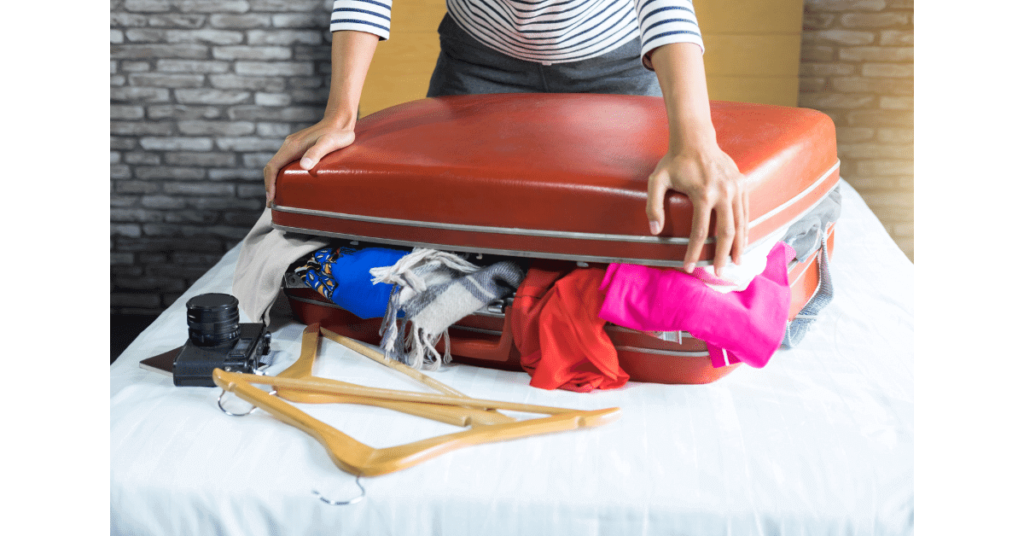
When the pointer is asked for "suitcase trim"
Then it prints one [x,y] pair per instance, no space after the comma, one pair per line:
[676,353]
[542,233]
[682,334]
[494,332]
[657,351]
[539,233]
[489,251]
[768,215]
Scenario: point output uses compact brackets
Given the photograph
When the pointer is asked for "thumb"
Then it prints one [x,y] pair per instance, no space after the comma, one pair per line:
[657,185]
[324,146]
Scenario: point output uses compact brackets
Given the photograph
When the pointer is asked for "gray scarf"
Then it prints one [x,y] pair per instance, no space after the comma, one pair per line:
[436,289]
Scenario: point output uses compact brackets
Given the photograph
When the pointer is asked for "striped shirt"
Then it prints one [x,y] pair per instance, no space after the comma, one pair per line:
[546,31]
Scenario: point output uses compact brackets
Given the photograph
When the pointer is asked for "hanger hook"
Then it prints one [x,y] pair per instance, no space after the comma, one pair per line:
[342,503]
[259,371]
[220,404]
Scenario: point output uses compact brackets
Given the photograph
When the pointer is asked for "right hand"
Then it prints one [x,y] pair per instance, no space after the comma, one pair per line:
[710,178]
[311,144]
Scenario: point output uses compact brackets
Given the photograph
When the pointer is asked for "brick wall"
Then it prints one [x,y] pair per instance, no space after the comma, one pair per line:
[857,65]
[202,93]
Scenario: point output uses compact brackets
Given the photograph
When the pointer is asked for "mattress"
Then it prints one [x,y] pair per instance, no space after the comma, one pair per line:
[820,441]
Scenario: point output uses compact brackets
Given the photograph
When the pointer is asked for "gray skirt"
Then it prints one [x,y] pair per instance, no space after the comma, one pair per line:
[466,66]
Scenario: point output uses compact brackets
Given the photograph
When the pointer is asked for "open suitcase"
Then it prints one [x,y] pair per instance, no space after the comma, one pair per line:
[553,176]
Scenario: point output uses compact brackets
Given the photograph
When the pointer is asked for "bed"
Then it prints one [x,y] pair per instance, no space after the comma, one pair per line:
[820,441]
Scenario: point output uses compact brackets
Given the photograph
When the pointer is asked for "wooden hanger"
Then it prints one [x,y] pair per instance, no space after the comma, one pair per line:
[360,459]
[303,369]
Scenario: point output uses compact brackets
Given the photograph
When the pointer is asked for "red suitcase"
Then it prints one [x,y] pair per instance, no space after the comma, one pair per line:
[557,176]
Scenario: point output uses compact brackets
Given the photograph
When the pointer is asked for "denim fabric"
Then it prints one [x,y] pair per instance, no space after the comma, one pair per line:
[796,329]
[466,66]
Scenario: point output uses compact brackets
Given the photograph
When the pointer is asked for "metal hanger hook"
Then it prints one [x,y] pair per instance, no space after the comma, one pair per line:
[362,494]
[259,371]
[220,404]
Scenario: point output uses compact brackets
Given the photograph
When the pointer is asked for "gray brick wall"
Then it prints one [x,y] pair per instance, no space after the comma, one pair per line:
[857,66]
[202,93]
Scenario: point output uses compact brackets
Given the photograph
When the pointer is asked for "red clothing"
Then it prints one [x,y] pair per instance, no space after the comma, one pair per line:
[556,327]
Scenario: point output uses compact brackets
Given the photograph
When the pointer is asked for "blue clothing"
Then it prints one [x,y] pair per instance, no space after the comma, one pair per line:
[342,275]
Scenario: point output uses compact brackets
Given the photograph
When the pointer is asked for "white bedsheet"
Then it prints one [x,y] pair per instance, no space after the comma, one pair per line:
[818,442]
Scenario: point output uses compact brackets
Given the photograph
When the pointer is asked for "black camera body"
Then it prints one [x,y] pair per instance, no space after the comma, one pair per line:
[217,340]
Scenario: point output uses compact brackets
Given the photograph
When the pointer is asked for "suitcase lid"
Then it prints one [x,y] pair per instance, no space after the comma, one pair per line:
[559,176]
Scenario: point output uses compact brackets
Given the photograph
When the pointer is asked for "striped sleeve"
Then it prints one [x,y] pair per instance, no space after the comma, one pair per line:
[370,16]
[666,21]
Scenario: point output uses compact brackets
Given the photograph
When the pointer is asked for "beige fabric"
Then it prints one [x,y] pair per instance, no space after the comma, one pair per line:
[265,256]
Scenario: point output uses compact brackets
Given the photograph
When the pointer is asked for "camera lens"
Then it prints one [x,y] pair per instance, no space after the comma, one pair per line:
[212,319]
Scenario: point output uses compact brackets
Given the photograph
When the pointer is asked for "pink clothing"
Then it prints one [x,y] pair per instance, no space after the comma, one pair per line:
[745,326]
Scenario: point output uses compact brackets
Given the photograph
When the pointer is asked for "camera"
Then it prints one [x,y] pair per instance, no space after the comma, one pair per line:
[217,340]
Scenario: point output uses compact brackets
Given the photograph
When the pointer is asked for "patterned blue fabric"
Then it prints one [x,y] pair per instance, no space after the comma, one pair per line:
[342,275]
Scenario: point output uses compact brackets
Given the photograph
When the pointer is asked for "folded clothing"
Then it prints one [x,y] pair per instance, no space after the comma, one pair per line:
[558,332]
[747,325]
[342,275]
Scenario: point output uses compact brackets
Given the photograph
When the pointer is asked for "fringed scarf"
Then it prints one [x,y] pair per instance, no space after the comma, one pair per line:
[435,289]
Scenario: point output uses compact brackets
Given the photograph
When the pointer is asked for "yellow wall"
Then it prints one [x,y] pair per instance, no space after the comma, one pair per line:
[753,51]
[401,67]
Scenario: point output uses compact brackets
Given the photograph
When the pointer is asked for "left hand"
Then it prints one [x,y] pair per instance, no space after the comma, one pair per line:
[711,180]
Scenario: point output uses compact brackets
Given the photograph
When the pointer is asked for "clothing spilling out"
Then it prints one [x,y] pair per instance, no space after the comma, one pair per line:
[560,310]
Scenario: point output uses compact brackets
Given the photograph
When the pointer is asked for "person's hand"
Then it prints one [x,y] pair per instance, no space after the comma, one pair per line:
[711,180]
[311,144]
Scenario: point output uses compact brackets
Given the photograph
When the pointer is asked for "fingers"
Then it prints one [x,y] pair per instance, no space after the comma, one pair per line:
[270,172]
[310,146]
[712,182]
[740,211]
[657,184]
[725,234]
[289,152]
[324,146]
[698,232]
